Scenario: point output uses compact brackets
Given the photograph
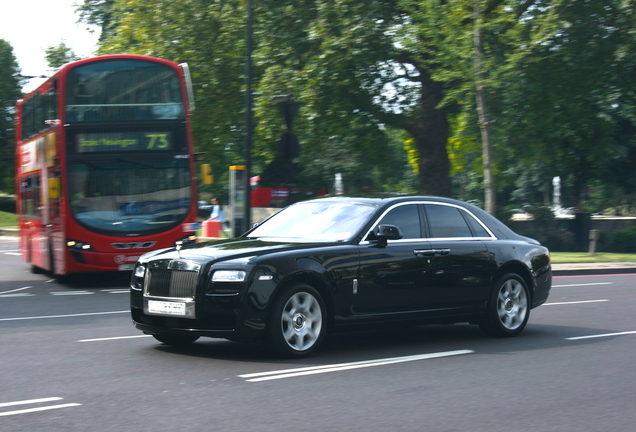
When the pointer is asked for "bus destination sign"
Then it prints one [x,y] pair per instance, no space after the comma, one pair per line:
[123,141]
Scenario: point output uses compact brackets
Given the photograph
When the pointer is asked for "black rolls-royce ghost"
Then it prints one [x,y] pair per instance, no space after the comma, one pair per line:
[335,264]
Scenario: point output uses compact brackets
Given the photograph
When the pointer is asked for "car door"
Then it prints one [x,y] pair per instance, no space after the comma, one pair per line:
[394,278]
[460,266]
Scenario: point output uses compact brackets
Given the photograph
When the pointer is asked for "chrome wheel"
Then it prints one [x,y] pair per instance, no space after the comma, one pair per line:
[508,309]
[512,304]
[301,321]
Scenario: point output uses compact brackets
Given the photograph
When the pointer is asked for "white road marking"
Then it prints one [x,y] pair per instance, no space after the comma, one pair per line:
[574,302]
[291,373]
[13,253]
[63,316]
[36,409]
[114,338]
[17,289]
[602,335]
[30,401]
[70,293]
[17,295]
[583,284]
[117,291]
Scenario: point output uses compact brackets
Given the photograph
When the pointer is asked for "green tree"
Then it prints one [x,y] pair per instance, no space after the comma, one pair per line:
[335,135]
[10,92]
[209,36]
[59,55]
[345,62]
[569,105]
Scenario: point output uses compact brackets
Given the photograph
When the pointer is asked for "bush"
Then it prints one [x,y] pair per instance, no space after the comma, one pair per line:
[624,241]
[7,203]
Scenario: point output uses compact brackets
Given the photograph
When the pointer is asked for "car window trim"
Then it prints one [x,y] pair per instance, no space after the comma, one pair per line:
[425,229]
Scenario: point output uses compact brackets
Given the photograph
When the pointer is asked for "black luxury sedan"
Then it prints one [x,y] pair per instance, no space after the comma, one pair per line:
[340,264]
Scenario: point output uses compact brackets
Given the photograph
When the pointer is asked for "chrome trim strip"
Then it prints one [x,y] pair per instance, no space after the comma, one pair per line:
[492,236]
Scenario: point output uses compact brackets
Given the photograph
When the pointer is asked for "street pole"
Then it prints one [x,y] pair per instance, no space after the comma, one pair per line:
[247,216]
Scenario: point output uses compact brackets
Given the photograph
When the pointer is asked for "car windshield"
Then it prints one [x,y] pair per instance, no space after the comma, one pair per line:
[322,221]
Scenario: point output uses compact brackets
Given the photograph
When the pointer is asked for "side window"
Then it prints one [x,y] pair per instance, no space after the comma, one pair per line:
[478,230]
[407,218]
[446,221]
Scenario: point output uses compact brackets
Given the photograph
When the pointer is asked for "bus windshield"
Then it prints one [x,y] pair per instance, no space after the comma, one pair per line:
[129,197]
[116,90]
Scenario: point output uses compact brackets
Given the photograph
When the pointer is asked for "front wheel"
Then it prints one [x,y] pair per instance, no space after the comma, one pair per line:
[297,324]
[175,340]
[508,309]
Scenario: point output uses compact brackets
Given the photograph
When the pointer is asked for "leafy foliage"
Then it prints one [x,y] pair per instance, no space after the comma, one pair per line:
[10,85]
[59,55]
[384,84]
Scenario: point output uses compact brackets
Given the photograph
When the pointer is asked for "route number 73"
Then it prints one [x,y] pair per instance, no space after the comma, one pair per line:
[157,141]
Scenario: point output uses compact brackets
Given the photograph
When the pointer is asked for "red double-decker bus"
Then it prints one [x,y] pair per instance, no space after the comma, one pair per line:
[105,164]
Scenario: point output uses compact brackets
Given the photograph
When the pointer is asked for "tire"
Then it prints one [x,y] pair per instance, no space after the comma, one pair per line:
[508,309]
[175,340]
[37,270]
[297,322]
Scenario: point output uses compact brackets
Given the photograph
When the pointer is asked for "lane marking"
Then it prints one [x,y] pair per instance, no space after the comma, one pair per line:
[70,293]
[117,291]
[601,335]
[13,253]
[36,409]
[30,401]
[64,316]
[115,338]
[17,289]
[46,408]
[291,373]
[17,295]
[574,302]
[583,284]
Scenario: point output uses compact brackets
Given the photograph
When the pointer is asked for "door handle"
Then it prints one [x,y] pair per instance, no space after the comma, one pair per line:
[431,252]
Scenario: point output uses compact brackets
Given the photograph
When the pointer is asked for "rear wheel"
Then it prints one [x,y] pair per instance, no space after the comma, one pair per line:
[297,323]
[509,307]
[175,340]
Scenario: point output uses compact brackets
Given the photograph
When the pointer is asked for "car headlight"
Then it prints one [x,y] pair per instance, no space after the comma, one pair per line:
[228,276]
[140,271]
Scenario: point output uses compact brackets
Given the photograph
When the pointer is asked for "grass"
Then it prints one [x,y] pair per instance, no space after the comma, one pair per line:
[584,257]
[8,220]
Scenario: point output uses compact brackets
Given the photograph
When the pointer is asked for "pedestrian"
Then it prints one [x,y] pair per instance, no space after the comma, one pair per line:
[217,213]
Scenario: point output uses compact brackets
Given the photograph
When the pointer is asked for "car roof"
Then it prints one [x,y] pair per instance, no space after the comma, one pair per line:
[495,225]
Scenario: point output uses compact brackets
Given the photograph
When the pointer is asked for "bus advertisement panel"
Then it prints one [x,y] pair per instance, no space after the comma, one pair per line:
[105,164]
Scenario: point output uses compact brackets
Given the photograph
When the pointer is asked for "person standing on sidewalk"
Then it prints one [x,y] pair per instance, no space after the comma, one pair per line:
[217,213]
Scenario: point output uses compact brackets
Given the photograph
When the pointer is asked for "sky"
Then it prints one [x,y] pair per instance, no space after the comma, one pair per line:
[31,26]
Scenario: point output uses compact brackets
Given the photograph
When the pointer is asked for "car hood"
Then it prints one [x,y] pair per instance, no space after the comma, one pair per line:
[226,249]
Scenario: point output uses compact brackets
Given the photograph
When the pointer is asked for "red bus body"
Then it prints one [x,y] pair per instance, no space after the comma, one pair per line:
[104,164]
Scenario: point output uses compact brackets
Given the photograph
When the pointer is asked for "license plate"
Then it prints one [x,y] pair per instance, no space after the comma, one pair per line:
[167,308]
[125,267]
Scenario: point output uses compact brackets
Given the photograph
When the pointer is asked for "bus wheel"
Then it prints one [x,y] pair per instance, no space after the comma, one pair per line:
[37,270]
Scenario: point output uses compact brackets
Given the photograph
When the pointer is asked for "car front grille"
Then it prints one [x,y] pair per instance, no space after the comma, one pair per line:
[170,283]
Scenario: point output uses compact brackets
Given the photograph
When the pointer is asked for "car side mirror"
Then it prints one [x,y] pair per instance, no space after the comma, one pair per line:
[387,232]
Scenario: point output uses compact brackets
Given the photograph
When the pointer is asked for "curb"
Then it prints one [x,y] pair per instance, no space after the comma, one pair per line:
[9,232]
[593,269]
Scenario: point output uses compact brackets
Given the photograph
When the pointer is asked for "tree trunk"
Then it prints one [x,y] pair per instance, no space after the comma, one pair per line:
[430,132]
[484,124]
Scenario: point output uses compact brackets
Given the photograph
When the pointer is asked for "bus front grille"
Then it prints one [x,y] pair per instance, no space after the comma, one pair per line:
[171,283]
